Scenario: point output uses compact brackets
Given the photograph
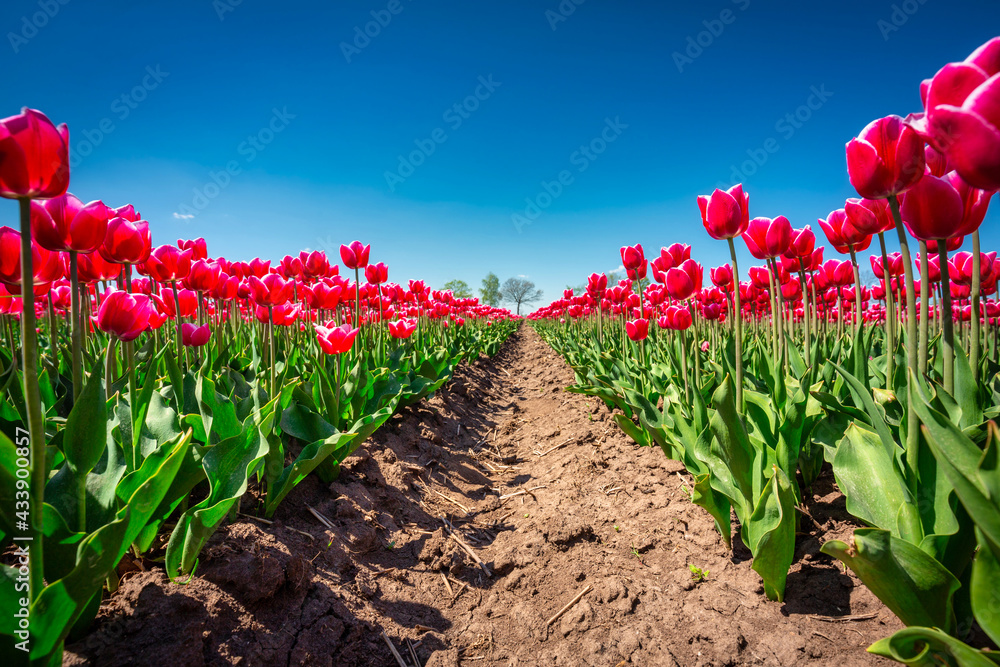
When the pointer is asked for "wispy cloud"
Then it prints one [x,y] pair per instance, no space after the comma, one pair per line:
[183,216]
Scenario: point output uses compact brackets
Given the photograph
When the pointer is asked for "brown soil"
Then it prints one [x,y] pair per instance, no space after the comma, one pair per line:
[595,512]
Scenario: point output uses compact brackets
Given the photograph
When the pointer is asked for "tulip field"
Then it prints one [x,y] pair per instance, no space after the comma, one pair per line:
[153,394]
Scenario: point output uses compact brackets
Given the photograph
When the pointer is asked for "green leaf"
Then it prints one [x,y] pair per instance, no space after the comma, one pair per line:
[771,534]
[870,481]
[228,465]
[917,588]
[84,441]
[218,414]
[863,399]
[985,592]
[311,456]
[732,455]
[928,647]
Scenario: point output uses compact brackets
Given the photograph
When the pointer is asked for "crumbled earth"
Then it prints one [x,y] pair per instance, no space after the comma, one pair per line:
[554,501]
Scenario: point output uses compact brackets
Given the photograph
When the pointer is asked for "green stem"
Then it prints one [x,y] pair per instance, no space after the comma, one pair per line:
[913,421]
[890,314]
[77,334]
[857,293]
[947,321]
[925,290]
[737,327]
[273,347]
[974,351]
[33,405]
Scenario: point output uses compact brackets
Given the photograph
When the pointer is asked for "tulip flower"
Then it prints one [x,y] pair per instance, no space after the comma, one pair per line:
[272,290]
[258,267]
[336,340]
[195,336]
[722,276]
[355,255]
[767,238]
[376,274]
[843,235]
[637,329]
[186,300]
[962,115]
[403,329]
[887,158]
[203,276]
[34,157]
[675,254]
[933,209]
[725,213]
[93,268]
[10,256]
[124,316]
[126,241]
[65,223]
[168,263]
[802,243]
[198,248]
[962,265]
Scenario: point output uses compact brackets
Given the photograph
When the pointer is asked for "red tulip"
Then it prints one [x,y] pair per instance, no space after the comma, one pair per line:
[802,243]
[962,115]
[124,315]
[895,265]
[760,276]
[726,213]
[887,158]
[637,329]
[684,280]
[92,268]
[272,290]
[10,255]
[126,241]
[355,255]
[316,265]
[258,267]
[838,272]
[402,328]
[336,340]
[767,238]
[376,274]
[64,223]
[204,276]
[168,263]
[34,157]
[188,302]
[198,248]
[933,209]
[975,202]
[195,336]
[722,276]
[842,233]
[870,216]
[961,267]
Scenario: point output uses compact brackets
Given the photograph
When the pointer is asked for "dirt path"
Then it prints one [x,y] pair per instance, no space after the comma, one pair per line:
[545,489]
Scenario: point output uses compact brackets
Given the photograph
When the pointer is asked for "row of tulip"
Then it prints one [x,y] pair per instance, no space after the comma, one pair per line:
[895,385]
[159,386]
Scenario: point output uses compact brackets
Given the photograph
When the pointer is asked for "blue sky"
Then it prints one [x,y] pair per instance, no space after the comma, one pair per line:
[272,127]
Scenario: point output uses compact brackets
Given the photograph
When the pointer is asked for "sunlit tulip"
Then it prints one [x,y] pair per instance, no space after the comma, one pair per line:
[725,213]
[843,235]
[168,263]
[336,340]
[34,156]
[124,316]
[376,274]
[962,115]
[802,243]
[637,329]
[126,241]
[404,328]
[887,158]
[767,238]
[198,248]
[65,223]
[932,209]
[355,255]
[195,336]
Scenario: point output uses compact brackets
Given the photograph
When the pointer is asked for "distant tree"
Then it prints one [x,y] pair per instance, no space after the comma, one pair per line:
[459,288]
[520,291]
[614,277]
[490,292]
[578,290]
